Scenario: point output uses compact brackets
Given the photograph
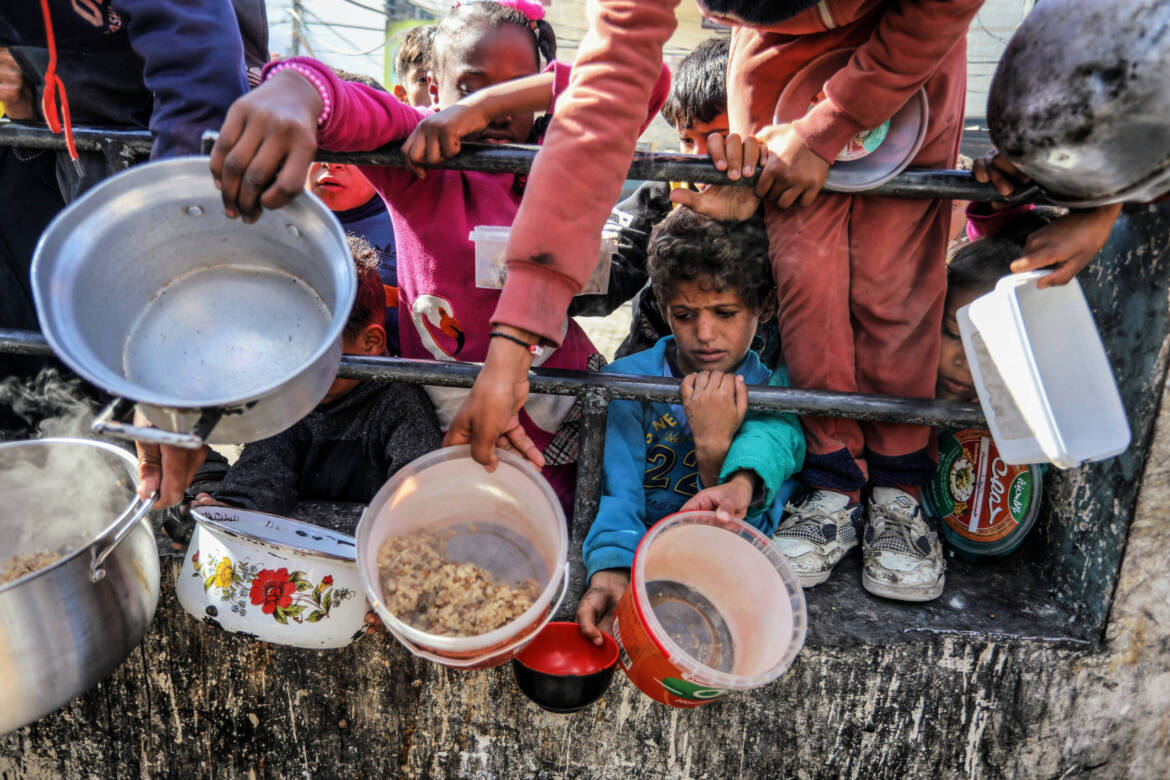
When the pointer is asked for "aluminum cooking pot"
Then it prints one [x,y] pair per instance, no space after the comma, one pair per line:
[66,627]
[219,331]
[1080,100]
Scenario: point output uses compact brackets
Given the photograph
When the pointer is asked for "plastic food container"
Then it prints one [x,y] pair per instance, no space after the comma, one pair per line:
[562,671]
[491,269]
[1042,375]
[508,522]
[987,507]
[712,607]
[874,156]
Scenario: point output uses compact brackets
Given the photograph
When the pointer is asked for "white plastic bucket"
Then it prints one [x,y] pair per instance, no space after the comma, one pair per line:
[520,533]
[491,268]
[1042,375]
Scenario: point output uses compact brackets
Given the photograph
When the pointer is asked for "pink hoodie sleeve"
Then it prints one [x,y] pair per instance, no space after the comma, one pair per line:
[578,175]
[910,40]
[363,118]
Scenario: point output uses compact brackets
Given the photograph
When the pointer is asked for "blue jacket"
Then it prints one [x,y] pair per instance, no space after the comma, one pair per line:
[176,66]
[650,468]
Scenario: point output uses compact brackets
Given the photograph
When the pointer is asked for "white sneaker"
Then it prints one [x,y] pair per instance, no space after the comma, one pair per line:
[901,556]
[817,533]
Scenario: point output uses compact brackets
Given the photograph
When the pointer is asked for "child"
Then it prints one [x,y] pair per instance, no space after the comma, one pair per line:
[443,315]
[359,435]
[713,281]
[412,64]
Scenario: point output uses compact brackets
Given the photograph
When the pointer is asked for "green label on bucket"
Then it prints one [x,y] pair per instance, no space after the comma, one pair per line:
[688,690]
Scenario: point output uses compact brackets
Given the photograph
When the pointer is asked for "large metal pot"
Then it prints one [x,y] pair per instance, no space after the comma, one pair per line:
[66,627]
[220,331]
[1080,100]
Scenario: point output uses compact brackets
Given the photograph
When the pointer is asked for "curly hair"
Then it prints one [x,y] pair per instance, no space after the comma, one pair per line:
[698,90]
[688,246]
[464,18]
[978,265]
[415,50]
[369,307]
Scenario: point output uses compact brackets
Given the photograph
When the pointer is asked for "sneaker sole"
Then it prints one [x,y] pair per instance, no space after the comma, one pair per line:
[812,580]
[903,592]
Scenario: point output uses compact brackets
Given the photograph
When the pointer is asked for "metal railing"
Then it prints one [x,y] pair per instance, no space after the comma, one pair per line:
[121,148]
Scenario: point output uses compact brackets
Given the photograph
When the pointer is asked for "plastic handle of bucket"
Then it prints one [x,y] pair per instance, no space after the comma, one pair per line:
[126,522]
[463,663]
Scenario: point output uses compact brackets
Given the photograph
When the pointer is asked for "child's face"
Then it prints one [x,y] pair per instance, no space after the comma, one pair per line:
[340,187]
[713,330]
[416,88]
[693,139]
[488,56]
[954,375]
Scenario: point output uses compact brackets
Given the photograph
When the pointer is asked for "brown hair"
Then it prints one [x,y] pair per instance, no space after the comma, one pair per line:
[415,51]
[369,307]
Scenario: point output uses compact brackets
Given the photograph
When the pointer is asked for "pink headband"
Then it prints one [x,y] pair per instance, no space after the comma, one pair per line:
[532,10]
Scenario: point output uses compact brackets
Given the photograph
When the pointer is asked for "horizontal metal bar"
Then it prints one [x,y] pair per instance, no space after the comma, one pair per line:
[823,403]
[87,139]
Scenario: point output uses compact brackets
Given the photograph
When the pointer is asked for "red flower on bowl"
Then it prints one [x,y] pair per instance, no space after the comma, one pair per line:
[272,589]
[327,579]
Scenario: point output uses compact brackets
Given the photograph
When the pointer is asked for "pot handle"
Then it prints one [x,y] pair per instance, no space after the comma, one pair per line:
[122,528]
[460,663]
[108,424]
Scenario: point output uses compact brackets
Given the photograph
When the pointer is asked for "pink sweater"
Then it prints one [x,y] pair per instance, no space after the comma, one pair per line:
[590,143]
[442,314]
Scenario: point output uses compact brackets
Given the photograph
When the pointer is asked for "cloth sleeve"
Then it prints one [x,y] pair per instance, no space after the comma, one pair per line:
[410,429]
[632,220]
[193,64]
[363,119]
[771,445]
[911,39]
[578,175]
[265,476]
[621,517]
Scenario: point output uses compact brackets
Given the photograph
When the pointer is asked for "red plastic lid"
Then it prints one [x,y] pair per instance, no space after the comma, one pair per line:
[563,651]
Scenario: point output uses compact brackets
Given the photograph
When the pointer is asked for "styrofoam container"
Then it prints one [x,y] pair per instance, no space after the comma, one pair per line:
[1042,375]
[491,268]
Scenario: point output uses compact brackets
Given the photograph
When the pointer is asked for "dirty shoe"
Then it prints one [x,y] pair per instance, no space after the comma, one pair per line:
[817,533]
[901,556]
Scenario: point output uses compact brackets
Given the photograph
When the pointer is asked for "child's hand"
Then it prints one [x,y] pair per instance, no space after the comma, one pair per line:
[266,145]
[792,172]
[995,168]
[1069,243]
[715,404]
[596,609]
[737,156]
[439,137]
[373,623]
[205,499]
[16,93]
[729,500]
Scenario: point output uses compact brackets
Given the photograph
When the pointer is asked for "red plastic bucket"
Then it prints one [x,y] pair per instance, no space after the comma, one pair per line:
[712,607]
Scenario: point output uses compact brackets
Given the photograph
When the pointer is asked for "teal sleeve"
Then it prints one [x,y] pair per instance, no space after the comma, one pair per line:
[771,445]
[620,522]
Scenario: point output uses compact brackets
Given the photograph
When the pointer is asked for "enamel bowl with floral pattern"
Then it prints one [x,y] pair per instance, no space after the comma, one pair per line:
[272,578]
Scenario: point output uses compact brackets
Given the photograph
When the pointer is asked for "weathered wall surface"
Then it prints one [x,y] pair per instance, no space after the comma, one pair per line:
[194,701]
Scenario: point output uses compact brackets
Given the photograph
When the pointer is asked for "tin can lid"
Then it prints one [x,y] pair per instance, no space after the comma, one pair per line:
[987,507]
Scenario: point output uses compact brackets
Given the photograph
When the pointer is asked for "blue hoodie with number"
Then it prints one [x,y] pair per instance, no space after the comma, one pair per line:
[650,468]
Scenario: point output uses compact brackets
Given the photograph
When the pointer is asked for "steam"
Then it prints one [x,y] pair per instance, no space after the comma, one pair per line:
[56,497]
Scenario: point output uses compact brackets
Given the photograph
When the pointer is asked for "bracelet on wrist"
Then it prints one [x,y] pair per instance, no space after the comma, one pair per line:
[315,80]
[534,349]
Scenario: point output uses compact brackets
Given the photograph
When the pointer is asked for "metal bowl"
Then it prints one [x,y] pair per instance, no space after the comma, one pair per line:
[147,290]
[1080,102]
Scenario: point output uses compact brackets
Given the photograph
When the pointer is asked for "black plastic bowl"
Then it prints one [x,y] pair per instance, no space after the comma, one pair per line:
[562,671]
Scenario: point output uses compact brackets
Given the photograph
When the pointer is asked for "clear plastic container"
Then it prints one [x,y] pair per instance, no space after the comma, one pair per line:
[491,269]
[712,607]
[508,522]
[1042,375]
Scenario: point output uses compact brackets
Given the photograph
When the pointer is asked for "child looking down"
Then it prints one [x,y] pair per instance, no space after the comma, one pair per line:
[356,438]
[714,284]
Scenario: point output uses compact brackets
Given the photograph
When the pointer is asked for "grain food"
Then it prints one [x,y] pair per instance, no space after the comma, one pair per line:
[421,587]
[25,564]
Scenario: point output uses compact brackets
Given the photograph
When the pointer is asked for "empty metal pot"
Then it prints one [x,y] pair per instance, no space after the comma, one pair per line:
[1080,101]
[66,627]
[218,330]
